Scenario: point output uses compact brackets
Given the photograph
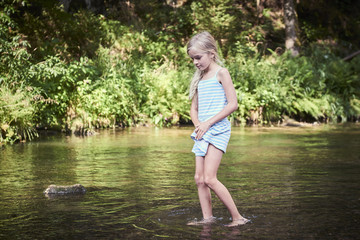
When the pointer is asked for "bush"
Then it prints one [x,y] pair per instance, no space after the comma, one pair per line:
[16,96]
[16,114]
[80,71]
[318,87]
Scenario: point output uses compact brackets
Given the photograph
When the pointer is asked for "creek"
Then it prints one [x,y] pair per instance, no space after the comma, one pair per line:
[292,183]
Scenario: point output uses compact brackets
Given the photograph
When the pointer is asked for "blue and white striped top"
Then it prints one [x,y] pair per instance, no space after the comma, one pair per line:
[211,100]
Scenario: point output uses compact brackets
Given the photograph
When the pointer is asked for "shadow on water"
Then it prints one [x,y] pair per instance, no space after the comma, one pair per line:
[293,183]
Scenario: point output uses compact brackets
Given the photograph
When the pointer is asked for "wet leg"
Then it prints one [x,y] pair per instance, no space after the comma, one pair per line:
[211,165]
[203,190]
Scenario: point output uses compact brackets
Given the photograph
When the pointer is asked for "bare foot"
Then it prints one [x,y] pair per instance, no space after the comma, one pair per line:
[238,222]
[202,222]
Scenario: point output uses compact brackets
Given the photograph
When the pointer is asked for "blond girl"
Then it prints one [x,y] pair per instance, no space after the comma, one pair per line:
[213,99]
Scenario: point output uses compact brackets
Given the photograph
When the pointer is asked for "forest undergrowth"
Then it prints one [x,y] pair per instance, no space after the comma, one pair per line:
[76,72]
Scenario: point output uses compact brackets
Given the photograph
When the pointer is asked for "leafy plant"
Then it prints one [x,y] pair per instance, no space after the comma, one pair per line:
[80,71]
[16,114]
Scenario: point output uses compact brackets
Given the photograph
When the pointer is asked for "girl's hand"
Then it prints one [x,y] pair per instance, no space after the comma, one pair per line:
[201,129]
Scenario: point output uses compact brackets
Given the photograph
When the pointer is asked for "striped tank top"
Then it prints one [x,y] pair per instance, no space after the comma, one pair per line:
[211,100]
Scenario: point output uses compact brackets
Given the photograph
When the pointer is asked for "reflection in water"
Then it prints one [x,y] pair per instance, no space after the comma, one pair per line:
[292,183]
[209,232]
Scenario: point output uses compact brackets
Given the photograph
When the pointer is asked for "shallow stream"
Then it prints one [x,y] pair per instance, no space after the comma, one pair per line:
[293,183]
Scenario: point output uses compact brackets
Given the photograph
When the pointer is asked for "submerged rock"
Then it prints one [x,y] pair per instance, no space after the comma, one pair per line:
[72,189]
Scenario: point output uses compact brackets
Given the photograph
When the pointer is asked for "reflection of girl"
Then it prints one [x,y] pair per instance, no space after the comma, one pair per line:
[213,99]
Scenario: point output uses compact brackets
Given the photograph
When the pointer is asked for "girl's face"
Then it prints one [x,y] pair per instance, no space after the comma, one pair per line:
[201,60]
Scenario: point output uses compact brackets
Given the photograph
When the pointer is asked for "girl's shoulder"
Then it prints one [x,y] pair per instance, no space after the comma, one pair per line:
[223,74]
[223,70]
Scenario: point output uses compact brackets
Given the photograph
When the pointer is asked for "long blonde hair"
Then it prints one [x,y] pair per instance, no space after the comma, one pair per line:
[205,42]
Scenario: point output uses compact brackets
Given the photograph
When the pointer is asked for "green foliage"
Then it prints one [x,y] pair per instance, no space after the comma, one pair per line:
[16,114]
[82,71]
[14,56]
[108,100]
[52,31]
[58,81]
[167,99]
[16,98]
[338,21]
[316,87]
[214,16]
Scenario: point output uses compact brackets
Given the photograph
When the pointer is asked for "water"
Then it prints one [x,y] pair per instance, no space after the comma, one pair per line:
[293,183]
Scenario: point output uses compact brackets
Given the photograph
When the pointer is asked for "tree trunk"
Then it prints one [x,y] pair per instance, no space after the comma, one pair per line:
[260,9]
[290,27]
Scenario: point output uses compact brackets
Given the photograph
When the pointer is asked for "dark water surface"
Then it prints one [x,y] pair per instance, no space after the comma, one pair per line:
[293,183]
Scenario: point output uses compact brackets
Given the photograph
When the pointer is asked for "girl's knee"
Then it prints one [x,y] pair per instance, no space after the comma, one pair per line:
[199,180]
[210,181]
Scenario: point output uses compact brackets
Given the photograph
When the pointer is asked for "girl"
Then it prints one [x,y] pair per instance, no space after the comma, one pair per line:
[213,99]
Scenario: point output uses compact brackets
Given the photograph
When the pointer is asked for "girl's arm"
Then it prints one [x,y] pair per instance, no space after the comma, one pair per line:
[194,111]
[225,79]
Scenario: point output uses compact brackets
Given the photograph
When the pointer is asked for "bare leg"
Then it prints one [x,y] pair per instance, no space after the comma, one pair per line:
[211,165]
[204,194]
[203,190]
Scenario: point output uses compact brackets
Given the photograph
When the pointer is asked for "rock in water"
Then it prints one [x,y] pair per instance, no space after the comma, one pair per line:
[73,189]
